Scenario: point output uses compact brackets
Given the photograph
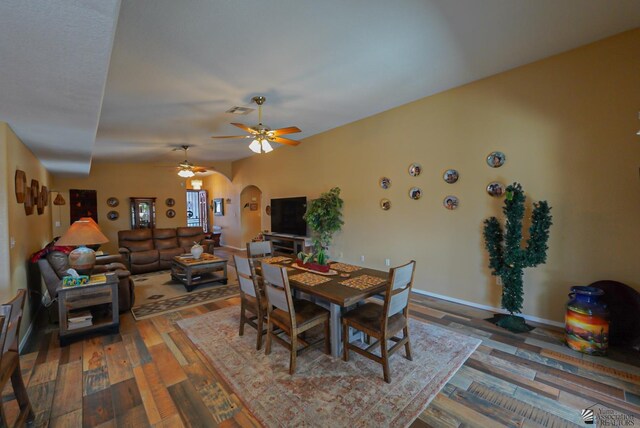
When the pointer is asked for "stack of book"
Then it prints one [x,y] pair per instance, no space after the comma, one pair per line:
[79,320]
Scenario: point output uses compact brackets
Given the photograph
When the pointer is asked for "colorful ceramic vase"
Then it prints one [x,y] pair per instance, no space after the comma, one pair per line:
[587,321]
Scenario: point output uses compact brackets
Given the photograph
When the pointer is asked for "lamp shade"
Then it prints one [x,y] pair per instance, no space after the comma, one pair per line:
[82,232]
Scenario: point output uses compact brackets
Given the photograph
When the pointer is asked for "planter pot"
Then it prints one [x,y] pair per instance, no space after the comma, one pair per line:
[313,266]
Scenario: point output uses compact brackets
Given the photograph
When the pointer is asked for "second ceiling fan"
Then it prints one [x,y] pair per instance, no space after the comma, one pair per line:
[263,135]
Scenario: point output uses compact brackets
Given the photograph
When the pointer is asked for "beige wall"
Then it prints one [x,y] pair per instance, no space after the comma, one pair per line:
[219,186]
[250,221]
[124,181]
[30,233]
[567,125]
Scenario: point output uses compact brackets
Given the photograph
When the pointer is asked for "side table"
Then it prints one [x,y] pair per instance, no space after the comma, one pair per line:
[89,297]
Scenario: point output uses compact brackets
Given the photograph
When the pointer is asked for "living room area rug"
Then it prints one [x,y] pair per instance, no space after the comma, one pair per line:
[327,391]
[156,293]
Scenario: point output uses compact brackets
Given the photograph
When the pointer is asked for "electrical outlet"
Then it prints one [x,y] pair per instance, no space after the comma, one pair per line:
[57,224]
[12,242]
[499,280]
[387,262]
[362,258]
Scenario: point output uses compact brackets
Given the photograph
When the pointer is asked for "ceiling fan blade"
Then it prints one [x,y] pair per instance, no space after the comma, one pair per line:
[285,141]
[201,169]
[234,136]
[245,128]
[283,131]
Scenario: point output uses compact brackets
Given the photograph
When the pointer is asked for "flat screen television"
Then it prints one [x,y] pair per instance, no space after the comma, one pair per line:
[286,216]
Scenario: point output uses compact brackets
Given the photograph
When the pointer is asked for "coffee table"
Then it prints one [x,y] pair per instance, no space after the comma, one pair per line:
[192,272]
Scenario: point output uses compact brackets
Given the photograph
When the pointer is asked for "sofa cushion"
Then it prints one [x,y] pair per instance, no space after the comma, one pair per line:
[169,253]
[165,238]
[136,240]
[59,261]
[188,235]
[144,257]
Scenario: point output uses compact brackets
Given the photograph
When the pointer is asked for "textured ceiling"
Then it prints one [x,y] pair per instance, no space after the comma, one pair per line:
[177,66]
[54,57]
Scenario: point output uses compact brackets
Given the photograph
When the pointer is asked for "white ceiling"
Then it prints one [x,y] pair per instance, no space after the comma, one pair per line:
[177,66]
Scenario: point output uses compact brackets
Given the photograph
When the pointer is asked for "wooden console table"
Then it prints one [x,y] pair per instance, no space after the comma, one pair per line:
[100,299]
[288,244]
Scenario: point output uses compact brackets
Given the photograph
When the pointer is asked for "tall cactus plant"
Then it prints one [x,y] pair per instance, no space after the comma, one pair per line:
[507,258]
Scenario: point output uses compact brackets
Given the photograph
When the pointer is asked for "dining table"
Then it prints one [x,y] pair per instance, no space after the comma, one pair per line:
[344,286]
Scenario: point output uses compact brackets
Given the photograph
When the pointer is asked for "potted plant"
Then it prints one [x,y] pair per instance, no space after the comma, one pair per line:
[507,257]
[324,217]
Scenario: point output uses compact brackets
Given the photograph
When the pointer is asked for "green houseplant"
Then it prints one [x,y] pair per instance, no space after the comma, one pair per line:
[324,217]
[507,257]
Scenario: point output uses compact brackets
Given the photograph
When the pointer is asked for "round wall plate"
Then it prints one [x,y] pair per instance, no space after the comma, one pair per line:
[495,189]
[170,202]
[171,213]
[113,215]
[451,176]
[415,169]
[113,202]
[451,202]
[385,204]
[496,159]
[415,193]
[385,182]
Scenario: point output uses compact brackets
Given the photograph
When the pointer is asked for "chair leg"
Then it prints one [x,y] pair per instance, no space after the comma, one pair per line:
[407,346]
[345,341]
[3,418]
[20,392]
[259,340]
[267,346]
[294,352]
[243,319]
[327,338]
[385,359]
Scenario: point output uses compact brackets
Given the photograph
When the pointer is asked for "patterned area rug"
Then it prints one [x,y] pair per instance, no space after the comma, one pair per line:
[328,392]
[156,293]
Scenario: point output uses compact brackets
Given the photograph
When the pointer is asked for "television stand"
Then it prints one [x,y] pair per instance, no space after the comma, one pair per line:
[289,245]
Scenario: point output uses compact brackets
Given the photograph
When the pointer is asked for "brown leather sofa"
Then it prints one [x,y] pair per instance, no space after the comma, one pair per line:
[54,266]
[148,250]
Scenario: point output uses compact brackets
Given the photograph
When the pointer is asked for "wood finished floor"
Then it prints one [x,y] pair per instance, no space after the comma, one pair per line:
[151,375]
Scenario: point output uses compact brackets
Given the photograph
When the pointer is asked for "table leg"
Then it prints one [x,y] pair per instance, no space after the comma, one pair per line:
[335,323]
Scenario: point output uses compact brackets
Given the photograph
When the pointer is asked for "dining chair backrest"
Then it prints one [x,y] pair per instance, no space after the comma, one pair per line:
[399,288]
[259,249]
[12,311]
[245,275]
[276,284]
[5,313]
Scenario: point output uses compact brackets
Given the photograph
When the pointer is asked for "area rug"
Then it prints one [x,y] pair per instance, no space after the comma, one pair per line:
[156,293]
[328,392]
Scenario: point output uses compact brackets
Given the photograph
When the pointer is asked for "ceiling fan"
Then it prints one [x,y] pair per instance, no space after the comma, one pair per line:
[263,135]
[186,169]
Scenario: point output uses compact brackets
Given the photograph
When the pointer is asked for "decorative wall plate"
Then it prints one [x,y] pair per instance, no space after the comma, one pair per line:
[450,202]
[268,209]
[113,202]
[170,202]
[451,176]
[496,159]
[171,213]
[113,215]
[415,169]
[385,182]
[41,199]
[35,191]
[28,201]
[385,204]
[21,184]
[495,189]
[415,193]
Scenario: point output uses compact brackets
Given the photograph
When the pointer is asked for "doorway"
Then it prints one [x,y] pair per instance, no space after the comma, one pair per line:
[197,209]
[250,218]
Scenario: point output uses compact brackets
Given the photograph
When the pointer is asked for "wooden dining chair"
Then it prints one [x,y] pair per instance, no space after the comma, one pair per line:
[10,360]
[252,298]
[293,317]
[259,249]
[383,322]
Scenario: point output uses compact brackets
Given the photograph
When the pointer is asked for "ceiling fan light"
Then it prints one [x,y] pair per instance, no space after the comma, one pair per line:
[255,146]
[186,173]
[266,147]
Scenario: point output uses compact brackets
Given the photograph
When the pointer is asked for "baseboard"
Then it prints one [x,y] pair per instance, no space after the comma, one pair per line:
[488,308]
[232,247]
[27,334]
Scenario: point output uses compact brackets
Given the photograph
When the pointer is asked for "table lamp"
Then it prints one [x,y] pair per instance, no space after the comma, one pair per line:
[82,233]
